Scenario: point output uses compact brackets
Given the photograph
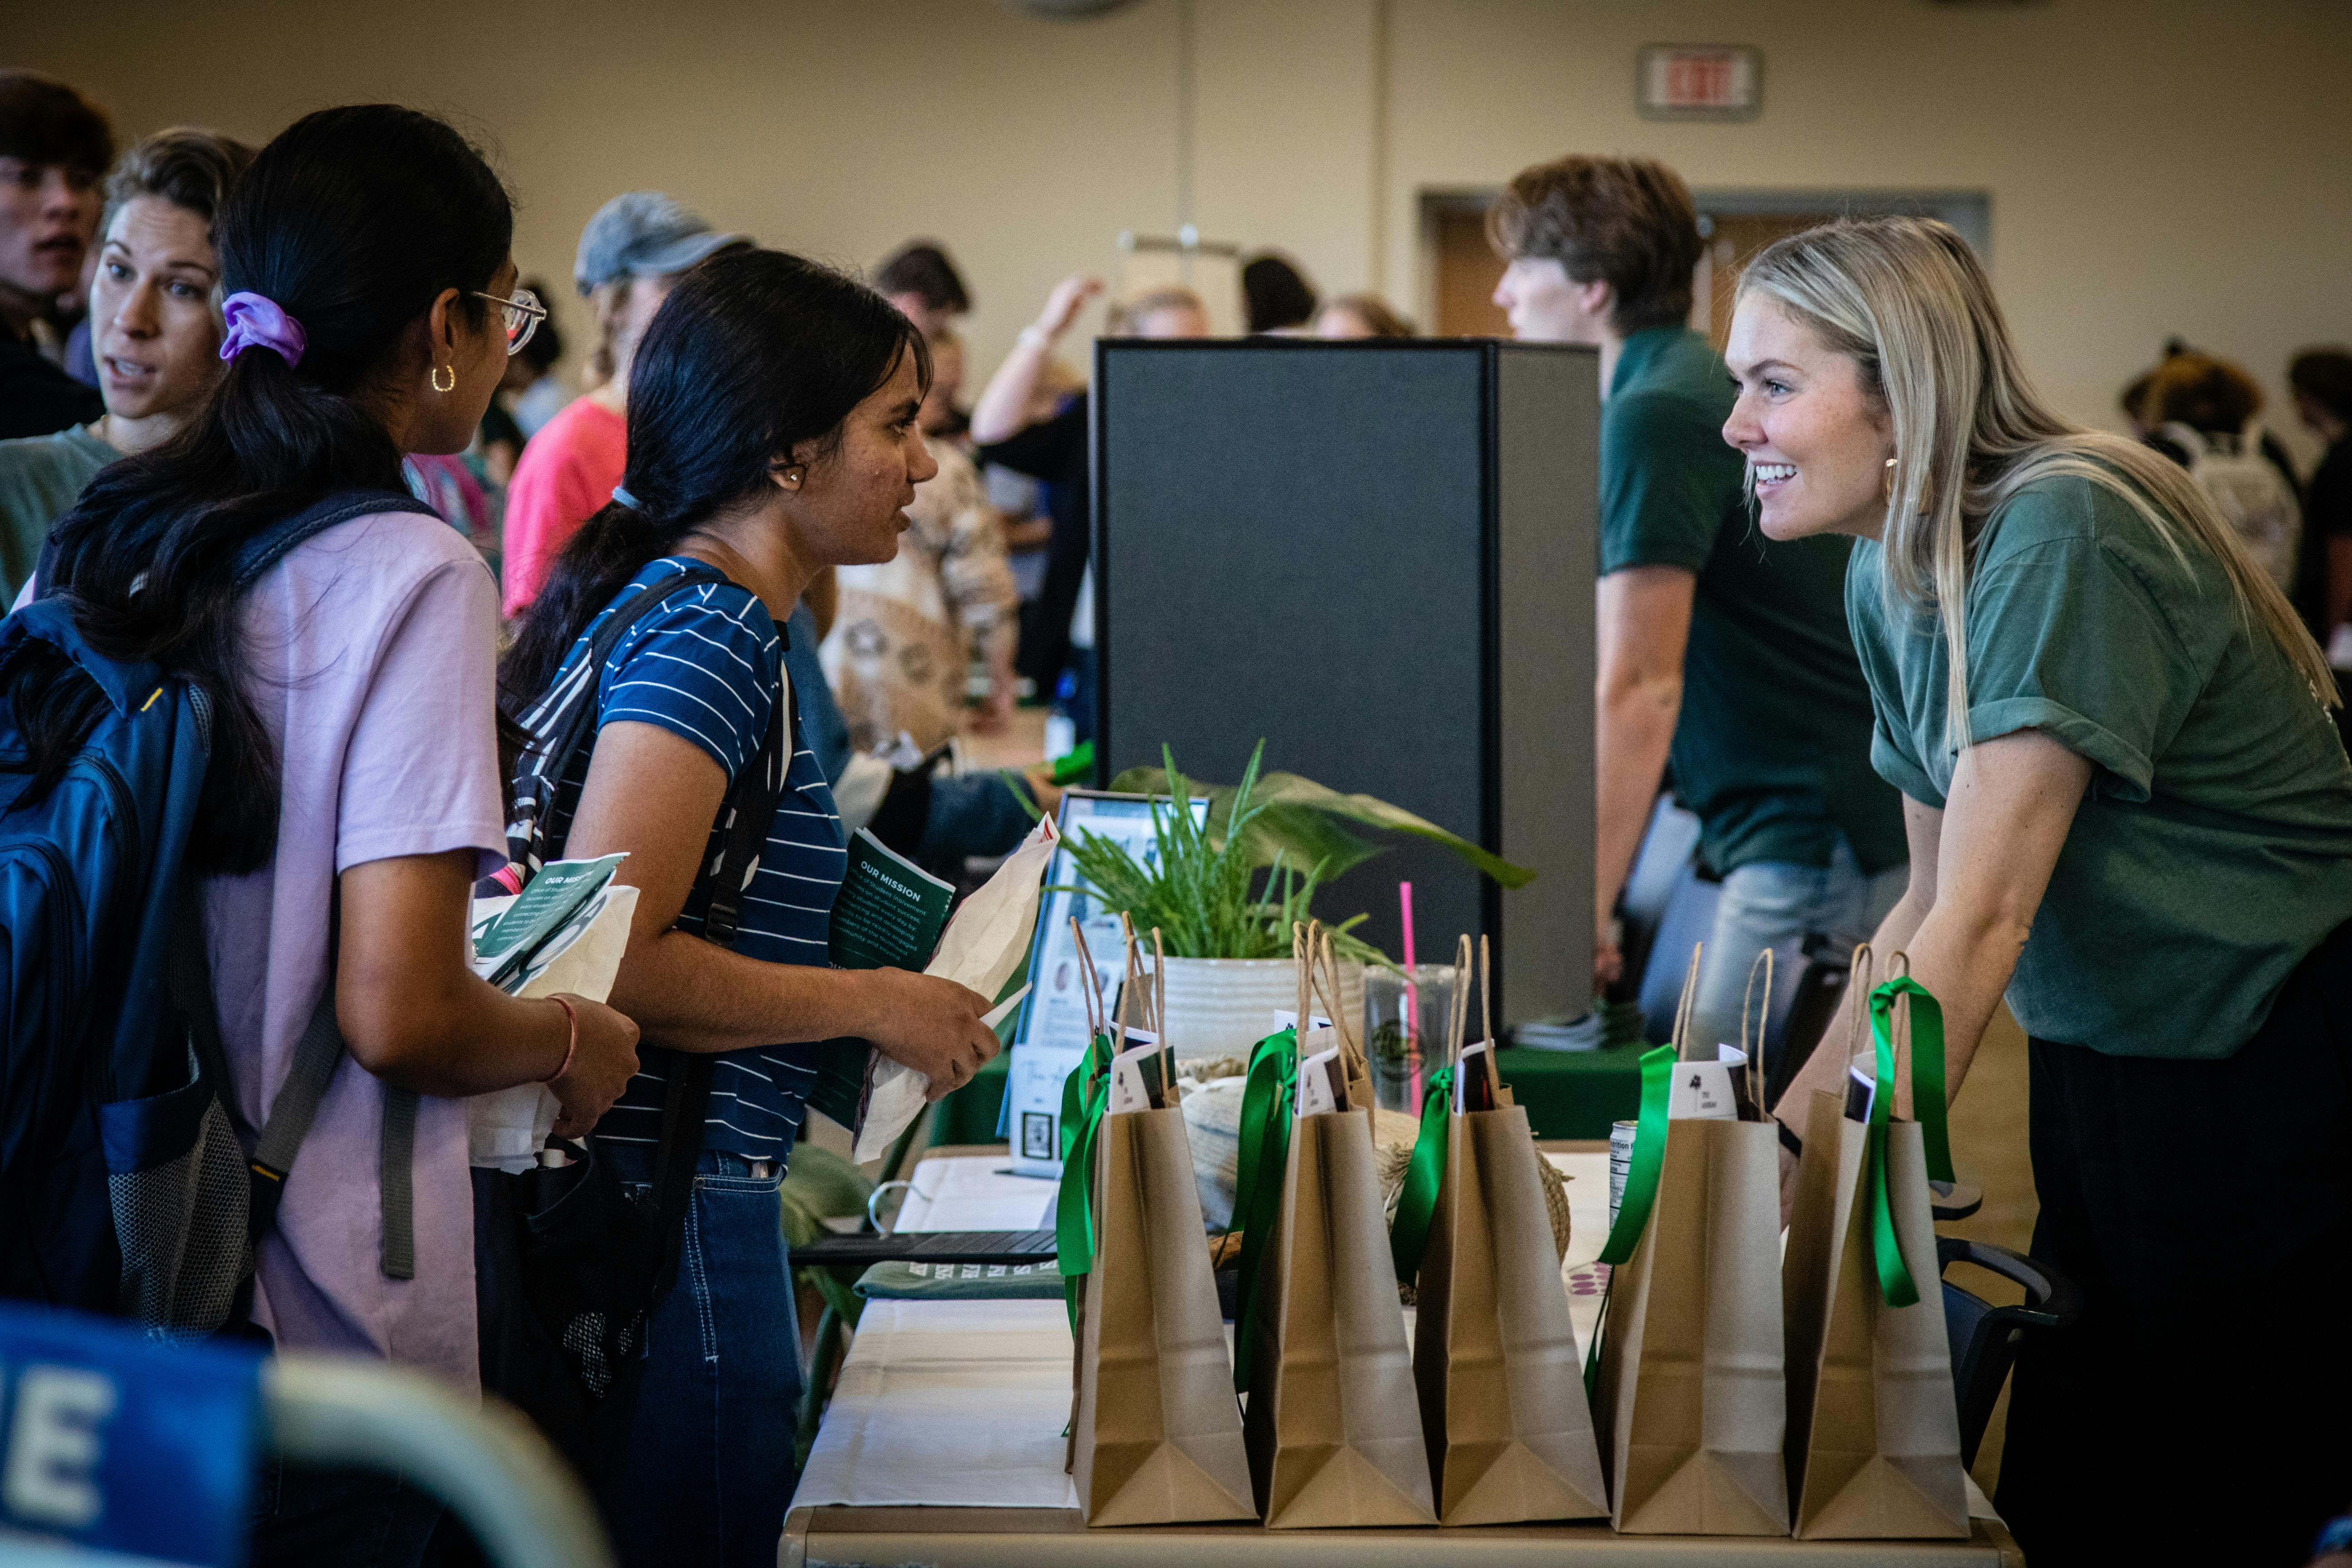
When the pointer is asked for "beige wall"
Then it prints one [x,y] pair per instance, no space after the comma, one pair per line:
[2164,166]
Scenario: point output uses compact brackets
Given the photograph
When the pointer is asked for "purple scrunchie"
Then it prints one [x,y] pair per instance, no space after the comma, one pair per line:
[256,323]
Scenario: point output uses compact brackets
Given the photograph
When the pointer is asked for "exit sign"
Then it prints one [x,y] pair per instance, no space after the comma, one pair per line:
[1699,82]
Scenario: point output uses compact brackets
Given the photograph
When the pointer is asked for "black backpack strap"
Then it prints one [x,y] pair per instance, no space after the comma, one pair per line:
[266,548]
[750,811]
[564,719]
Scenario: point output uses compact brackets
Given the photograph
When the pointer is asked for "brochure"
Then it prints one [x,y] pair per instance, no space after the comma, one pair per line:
[551,910]
[888,915]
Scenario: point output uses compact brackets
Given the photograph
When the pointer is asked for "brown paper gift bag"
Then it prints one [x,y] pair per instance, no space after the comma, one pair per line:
[1157,1436]
[1495,1359]
[1333,1423]
[1873,1429]
[1689,1393]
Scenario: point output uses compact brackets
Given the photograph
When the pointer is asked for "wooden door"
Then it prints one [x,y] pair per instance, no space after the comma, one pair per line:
[1467,271]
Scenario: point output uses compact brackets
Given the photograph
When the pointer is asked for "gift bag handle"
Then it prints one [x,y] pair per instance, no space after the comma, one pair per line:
[1085,1095]
[1924,1031]
[1683,1008]
[1754,1054]
[1262,1152]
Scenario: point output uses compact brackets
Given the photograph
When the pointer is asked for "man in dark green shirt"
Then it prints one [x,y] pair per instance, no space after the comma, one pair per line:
[1719,648]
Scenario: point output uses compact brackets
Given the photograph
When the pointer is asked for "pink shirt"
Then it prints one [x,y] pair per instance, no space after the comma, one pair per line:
[566,475]
[373,649]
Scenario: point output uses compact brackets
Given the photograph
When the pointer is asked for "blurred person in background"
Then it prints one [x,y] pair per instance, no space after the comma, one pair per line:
[631,255]
[923,283]
[1277,296]
[534,394]
[155,308]
[1007,426]
[904,633]
[54,146]
[1719,649]
[2201,413]
[2322,380]
[1360,316]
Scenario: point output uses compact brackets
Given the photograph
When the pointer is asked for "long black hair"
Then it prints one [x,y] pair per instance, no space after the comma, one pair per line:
[353,221]
[754,352]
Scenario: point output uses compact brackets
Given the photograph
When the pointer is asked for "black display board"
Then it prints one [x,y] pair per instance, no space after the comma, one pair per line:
[1378,557]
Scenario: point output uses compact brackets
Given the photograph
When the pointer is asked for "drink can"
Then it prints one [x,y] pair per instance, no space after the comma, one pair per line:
[1620,1162]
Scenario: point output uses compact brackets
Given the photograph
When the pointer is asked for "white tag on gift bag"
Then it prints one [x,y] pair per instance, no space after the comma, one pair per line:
[1702,1093]
[1316,1073]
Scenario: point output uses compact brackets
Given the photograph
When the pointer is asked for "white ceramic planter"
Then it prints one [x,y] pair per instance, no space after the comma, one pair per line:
[1223,1006]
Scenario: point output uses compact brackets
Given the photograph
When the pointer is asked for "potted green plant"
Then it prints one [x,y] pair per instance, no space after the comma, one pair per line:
[1225,892]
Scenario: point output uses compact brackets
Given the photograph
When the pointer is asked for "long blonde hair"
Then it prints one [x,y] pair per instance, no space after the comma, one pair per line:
[1907,300]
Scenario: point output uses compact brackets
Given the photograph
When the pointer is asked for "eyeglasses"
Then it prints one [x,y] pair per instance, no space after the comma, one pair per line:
[523,315]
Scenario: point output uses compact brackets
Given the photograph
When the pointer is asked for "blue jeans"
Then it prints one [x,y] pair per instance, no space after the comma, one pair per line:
[1773,903]
[707,1467]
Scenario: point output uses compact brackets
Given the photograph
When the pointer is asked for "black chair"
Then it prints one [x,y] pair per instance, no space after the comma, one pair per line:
[1984,1338]
[1806,993]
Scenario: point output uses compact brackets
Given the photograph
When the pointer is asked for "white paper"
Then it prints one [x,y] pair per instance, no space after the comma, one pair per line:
[1285,1019]
[1702,1093]
[1129,1091]
[1464,1067]
[1869,1083]
[1034,1090]
[986,939]
[1315,1074]
[505,1128]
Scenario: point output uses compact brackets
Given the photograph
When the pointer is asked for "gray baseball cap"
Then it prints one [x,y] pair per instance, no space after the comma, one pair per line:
[644,233]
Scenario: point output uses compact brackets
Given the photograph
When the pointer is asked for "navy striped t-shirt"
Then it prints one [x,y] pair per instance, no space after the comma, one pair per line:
[706,665]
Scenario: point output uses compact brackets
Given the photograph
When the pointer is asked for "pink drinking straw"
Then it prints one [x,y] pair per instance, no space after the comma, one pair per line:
[1412,1003]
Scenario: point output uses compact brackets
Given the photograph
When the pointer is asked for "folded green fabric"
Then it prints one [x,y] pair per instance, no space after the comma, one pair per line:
[905,1282]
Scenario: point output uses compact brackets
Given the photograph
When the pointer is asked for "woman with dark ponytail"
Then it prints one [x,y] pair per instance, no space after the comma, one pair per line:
[771,434]
[353,788]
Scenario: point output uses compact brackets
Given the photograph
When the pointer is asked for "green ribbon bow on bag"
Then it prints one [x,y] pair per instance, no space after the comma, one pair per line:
[1894,1280]
[1641,1188]
[1074,1219]
[1417,1204]
[1259,1162]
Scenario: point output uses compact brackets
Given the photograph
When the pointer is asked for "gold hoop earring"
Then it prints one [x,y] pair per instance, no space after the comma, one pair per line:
[441,370]
[1890,481]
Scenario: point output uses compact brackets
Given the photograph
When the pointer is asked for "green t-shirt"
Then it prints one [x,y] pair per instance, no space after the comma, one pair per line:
[1772,750]
[2214,849]
[40,476]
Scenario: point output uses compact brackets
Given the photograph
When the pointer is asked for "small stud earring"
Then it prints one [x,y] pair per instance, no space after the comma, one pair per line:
[791,474]
[441,370]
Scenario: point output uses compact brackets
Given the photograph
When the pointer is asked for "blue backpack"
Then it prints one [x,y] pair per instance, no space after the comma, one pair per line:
[123,1186]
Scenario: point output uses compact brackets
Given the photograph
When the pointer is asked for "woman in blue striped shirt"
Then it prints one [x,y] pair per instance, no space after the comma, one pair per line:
[771,434]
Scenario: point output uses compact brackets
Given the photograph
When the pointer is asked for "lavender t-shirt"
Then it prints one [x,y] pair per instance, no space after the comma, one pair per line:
[373,649]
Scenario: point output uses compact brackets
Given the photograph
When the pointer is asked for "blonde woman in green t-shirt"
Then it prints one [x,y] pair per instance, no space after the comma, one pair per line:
[2128,811]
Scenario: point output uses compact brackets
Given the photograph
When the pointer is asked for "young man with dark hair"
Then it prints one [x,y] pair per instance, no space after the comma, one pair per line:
[919,279]
[54,148]
[1720,649]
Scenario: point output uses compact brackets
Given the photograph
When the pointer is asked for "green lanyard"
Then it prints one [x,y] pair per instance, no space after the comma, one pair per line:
[1894,1281]
[1082,1114]
[1417,1204]
[1259,1162]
